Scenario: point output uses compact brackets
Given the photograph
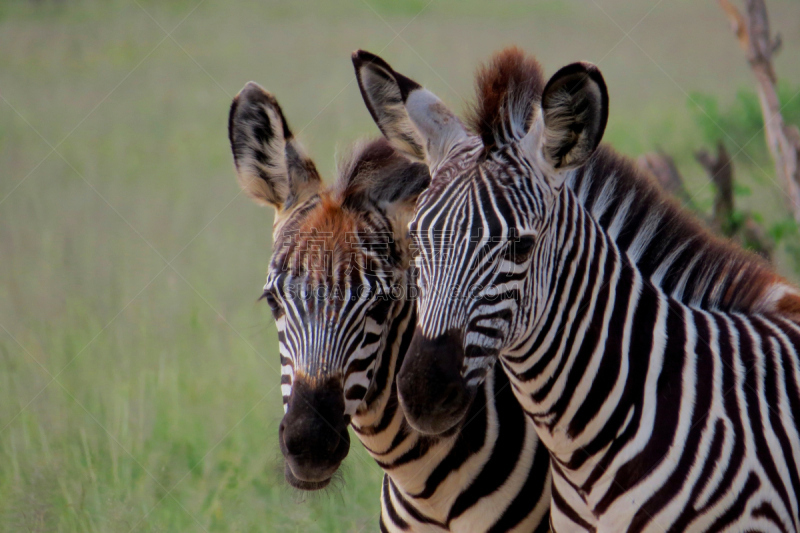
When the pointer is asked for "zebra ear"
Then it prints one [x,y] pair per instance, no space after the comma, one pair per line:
[575,112]
[412,118]
[270,164]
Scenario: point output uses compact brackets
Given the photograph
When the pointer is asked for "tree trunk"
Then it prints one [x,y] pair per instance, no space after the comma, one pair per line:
[783,140]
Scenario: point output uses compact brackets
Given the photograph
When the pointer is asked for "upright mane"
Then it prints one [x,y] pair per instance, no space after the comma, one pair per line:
[667,243]
[507,89]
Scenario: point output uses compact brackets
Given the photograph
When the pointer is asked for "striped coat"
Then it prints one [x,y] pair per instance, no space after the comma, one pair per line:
[341,287]
[659,364]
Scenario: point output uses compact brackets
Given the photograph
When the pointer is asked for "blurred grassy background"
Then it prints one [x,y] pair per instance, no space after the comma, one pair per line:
[138,377]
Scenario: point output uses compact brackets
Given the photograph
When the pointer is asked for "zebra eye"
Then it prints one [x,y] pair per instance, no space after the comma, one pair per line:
[519,250]
[273,303]
[380,309]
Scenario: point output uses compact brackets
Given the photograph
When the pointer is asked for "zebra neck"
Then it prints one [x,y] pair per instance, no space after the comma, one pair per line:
[380,423]
[411,459]
[381,426]
[572,375]
[380,400]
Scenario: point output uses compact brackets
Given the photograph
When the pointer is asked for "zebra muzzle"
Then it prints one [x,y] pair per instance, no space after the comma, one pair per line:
[313,434]
[433,393]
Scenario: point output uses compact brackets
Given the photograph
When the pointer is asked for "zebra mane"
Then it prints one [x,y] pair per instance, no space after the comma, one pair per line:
[671,247]
[374,194]
[507,88]
[375,171]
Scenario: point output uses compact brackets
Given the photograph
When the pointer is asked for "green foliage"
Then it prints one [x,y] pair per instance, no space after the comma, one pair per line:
[740,125]
[787,233]
[741,191]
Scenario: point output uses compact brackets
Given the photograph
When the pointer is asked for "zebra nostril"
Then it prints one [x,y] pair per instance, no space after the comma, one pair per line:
[294,443]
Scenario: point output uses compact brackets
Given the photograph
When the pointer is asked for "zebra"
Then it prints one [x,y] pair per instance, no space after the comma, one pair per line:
[341,289]
[658,363]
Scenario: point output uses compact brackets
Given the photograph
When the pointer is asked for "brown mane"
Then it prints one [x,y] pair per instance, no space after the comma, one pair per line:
[506,89]
[372,178]
[671,247]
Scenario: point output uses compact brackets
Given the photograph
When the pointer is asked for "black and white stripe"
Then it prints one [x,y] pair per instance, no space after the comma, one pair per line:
[489,474]
[345,329]
[660,365]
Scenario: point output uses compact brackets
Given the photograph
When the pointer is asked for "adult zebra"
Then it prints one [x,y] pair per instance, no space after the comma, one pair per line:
[338,286]
[659,364]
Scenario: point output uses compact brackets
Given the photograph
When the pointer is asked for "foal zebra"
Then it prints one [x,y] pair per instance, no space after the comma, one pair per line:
[338,285]
[658,363]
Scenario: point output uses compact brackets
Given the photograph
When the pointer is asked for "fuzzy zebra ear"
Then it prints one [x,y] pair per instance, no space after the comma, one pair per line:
[575,112]
[412,118]
[270,164]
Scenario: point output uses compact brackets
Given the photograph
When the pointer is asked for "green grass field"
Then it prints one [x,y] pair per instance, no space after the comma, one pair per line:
[138,375]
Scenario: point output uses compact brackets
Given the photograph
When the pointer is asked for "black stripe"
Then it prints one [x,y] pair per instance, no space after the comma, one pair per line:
[738,508]
[558,502]
[390,510]
[507,448]
[668,397]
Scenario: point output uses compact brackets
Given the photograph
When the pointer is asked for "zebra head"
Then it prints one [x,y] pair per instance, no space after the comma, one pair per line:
[337,276]
[481,262]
